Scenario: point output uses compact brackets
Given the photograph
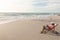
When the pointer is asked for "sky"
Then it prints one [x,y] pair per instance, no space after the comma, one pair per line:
[30,6]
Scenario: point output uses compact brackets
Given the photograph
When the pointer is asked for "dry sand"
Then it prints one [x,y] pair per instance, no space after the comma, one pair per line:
[25,30]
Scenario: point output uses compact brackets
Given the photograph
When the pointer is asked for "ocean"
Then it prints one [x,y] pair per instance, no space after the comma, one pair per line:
[9,17]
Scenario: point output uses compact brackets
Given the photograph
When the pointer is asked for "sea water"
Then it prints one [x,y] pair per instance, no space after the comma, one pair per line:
[9,17]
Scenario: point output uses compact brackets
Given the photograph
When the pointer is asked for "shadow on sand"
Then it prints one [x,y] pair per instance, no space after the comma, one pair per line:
[55,33]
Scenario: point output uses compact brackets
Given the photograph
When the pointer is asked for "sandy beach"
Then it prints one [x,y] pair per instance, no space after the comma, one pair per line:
[25,30]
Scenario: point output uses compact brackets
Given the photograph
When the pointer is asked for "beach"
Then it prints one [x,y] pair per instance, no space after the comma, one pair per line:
[27,29]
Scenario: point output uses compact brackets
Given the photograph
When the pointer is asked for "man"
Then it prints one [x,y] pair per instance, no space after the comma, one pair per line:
[50,27]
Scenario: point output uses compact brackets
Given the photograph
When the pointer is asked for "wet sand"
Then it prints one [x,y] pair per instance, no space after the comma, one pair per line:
[26,30]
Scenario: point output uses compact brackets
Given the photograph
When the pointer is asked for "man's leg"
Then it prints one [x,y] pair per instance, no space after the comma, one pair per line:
[43,29]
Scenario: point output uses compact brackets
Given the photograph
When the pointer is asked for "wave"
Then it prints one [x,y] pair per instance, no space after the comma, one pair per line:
[5,18]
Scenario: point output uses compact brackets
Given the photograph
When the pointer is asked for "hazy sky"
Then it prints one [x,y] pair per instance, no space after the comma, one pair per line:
[30,6]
